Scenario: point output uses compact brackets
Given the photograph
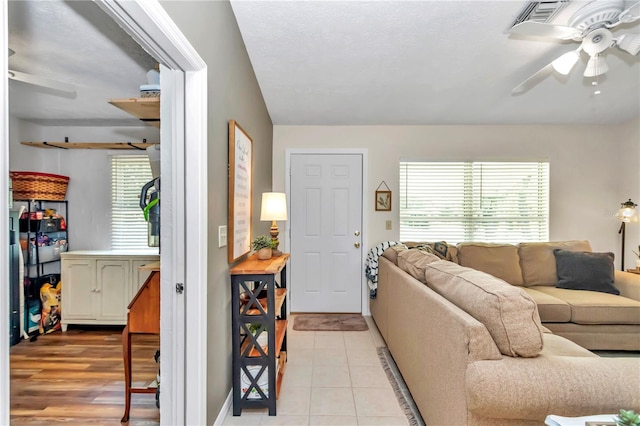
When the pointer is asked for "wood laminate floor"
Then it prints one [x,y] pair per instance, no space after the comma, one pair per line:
[77,377]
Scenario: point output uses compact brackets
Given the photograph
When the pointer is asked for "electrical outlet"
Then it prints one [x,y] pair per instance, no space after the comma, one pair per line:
[222,236]
[388,225]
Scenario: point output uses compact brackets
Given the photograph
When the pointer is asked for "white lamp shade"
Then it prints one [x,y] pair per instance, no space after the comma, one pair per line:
[596,66]
[629,43]
[274,206]
[565,63]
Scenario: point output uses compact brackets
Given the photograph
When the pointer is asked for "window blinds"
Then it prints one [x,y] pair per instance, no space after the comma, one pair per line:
[505,202]
[129,173]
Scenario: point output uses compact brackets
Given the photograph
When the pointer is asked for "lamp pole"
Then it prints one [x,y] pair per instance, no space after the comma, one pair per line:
[622,230]
[627,211]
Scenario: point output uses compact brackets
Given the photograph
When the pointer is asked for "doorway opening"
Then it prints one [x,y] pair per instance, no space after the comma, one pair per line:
[183,81]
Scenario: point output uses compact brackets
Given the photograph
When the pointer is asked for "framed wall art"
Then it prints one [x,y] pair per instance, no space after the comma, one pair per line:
[240,167]
[383,198]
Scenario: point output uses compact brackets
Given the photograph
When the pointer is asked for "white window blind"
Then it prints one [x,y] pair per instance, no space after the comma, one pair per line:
[505,202]
[129,173]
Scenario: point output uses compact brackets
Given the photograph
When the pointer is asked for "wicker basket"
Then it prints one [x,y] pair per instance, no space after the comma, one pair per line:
[38,186]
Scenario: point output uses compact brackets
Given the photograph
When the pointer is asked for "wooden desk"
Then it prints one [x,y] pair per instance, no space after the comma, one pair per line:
[143,318]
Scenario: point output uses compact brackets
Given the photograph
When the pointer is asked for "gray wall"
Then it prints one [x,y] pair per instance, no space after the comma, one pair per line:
[211,28]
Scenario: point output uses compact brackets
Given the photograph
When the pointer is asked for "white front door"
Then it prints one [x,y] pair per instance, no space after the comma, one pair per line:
[326,232]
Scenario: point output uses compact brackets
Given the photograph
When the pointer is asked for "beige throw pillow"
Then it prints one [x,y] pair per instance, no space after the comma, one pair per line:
[538,262]
[413,262]
[508,313]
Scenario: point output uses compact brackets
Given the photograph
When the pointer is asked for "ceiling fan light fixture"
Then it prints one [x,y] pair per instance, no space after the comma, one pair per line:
[596,66]
[565,63]
[629,43]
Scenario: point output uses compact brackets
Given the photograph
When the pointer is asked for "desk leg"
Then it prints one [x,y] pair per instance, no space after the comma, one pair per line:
[126,353]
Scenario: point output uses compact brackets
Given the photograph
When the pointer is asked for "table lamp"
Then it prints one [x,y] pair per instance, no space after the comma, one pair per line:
[274,208]
[626,213]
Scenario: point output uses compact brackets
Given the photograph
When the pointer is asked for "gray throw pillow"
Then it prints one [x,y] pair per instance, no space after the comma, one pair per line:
[579,270]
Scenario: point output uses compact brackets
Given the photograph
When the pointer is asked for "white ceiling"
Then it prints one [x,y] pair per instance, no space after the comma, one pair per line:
[333,63]
[421,62]
[73,42]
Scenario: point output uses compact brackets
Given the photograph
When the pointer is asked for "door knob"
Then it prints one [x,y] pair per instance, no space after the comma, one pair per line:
[357,245]
[357,233]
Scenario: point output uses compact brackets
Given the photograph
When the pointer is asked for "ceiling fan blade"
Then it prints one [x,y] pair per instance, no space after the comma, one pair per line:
[628,15]
[539,29]
[42,81]
[533,80]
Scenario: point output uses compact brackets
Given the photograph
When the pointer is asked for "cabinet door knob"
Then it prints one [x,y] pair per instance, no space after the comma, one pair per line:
[357,233]
[357,245]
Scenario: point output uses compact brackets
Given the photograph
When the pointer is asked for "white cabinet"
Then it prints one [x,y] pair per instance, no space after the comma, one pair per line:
[97,286]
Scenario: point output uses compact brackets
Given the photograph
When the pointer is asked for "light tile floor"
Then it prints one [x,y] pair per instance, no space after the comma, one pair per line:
[331,378]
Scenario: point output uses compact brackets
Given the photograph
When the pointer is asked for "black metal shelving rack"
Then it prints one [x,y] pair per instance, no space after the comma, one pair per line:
[34,268]
[258,299]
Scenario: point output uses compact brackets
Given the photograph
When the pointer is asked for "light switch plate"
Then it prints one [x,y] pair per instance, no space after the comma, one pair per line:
[222,236]
[388,225]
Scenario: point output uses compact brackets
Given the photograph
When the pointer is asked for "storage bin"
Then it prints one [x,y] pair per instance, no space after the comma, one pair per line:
[45,253]
[43,225]
[39,186]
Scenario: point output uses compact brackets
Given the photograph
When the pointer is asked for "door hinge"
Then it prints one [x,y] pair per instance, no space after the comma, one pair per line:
[179,288]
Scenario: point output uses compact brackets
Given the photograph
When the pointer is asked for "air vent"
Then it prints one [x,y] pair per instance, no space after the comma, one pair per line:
[540,11]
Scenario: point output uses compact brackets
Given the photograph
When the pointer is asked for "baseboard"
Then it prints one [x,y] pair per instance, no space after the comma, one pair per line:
[224,410]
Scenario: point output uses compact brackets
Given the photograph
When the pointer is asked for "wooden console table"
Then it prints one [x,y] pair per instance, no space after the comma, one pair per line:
[143,318]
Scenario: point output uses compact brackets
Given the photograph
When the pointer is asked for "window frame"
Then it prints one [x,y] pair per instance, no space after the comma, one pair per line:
[128,226]
[460,188]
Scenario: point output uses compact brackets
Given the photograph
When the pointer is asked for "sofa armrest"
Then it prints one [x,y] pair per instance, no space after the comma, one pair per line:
[532,388]
[628,284]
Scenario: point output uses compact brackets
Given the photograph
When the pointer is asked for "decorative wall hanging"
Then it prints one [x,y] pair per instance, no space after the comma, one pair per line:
[383,198]
[240,166]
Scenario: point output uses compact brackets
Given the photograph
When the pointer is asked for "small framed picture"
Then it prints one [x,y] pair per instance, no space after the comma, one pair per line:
[383,201]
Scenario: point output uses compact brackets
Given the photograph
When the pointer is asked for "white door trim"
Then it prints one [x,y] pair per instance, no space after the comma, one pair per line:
[365,166]
[4,220]
[184,375]
[183,399]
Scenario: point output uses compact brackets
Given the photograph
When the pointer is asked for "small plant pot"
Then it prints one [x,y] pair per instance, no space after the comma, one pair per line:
[638,264]
[264,253]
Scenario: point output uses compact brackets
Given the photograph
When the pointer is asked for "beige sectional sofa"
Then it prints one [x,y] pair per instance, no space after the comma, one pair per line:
[593,319]
[473,351]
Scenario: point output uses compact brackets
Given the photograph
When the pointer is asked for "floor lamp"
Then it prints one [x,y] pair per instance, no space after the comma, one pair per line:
[626,212]
[274,207]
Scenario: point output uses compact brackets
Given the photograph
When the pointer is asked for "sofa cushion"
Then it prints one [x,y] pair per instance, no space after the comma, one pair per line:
[585,271]
[392,252]
[538,262]
[508,313]
[590,307]
[413,262]
[499,260]
[551,309]
[440,248]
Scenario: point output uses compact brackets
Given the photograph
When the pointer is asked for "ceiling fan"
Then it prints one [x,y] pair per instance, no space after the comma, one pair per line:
[591,25]
[41,81]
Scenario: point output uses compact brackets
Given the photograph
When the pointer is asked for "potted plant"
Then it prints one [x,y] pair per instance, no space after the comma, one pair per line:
[262,338]
[263,246]
[627,418]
